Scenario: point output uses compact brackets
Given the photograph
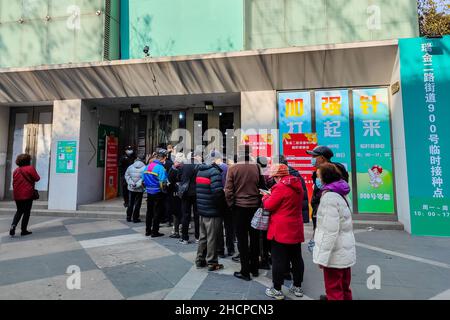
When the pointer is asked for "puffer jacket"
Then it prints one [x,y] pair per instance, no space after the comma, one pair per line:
[334,238]
[210,195]
[285,204]
[133,176]
[24,179]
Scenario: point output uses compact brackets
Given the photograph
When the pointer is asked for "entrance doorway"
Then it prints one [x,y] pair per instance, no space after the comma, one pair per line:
[30,131]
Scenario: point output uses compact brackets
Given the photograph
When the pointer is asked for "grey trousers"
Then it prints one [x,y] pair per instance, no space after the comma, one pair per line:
[208,243]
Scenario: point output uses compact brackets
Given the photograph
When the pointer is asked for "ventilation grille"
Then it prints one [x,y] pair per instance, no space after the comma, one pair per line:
[107,39]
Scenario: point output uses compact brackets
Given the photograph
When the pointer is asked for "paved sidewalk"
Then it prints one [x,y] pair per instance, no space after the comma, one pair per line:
[118,262]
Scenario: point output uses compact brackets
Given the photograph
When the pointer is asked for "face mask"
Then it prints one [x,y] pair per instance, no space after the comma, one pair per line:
[319,183]
[314,162]
[129,152]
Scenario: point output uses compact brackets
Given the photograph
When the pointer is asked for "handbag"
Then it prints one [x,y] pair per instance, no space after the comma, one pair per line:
[260,220]
[36,195]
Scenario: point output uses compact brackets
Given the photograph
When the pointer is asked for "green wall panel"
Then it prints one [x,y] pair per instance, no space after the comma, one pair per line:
[37,41]
[276,24]
[180,27]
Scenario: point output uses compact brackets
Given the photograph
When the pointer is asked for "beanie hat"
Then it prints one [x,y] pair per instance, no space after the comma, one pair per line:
[279,170]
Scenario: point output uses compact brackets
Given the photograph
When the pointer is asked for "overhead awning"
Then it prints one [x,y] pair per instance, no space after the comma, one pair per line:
[327,66]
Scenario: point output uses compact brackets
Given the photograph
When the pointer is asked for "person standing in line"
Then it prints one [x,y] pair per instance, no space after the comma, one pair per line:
[155,180]
[24,180]
[335,247]
[210,197]
[167,217]
[285,231]
[243,195]
[125,162]
[133,177]
[174,200]
[322,155]
[187,187]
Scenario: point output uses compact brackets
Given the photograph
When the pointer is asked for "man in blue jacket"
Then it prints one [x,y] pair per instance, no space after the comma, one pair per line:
[155,180]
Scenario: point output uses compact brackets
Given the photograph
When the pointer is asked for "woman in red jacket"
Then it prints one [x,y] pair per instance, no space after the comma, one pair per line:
[24,179]
[285,230]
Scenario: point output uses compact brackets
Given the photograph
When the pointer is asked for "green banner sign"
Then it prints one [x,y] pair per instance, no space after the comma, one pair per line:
[66,157]
[374,174]
[425,77]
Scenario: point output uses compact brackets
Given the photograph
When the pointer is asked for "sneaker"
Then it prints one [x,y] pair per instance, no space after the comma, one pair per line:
[215,267]
[297,291]
[12,232]
[26,233]
[183,242]
[137,221]
[200,265]
[272,293]
[175,236]
[197,240]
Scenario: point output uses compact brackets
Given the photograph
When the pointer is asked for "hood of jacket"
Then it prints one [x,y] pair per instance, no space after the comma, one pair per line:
[292,182]
[340,187]
[138,165]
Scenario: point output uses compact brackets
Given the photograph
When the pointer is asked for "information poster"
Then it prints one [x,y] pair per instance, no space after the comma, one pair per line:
[333,125]
[295,146]
[374,174]
[111,168]
[103,132]
[294,113]
[261,145]
[66,156]
[425,65]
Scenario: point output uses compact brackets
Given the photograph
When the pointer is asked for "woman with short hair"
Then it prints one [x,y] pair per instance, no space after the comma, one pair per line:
[24,180]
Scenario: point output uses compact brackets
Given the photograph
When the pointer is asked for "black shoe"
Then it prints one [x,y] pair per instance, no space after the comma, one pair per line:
[26,233]
[242,276]
[157,235]
[175,236]
[264,266]
[255,274]
[200,265]
[323,297]
[137,221]
[12,232]
[128,219]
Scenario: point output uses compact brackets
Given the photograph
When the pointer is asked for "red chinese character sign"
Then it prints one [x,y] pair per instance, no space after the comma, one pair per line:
[111,168]
[294,150]
[261,145]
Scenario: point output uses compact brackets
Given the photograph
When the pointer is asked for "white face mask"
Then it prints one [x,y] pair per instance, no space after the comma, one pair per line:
[129,152]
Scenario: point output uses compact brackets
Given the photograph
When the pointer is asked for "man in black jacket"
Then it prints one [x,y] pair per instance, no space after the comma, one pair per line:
[186,179]
[210,200]
[321,155]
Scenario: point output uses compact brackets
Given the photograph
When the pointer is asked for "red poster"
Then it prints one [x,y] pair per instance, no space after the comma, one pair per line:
[111,168]
[261,145]
[295,147]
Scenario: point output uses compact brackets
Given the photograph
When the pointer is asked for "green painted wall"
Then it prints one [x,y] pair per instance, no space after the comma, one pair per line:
[61,39]
[181,27]
[276,24]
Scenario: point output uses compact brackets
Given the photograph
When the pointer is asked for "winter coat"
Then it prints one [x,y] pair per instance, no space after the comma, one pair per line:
[133,176]
[334,238]
[243,183]
[24,179]
[285,204]
[210,195]
[155,178]
[187,174]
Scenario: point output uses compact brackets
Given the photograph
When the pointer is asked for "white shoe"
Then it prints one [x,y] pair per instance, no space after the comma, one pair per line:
[183,242]
[297,291]
[272,293]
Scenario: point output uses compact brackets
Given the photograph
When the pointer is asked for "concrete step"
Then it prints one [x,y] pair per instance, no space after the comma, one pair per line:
[357,224]
[105,208]
[375,217]
[41,205]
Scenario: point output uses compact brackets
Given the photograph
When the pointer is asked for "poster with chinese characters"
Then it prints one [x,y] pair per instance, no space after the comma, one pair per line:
[374,173]
[295,146]
[66,157]
[111,168]
[294,113]
[333,125]
[425,77]
[261,145]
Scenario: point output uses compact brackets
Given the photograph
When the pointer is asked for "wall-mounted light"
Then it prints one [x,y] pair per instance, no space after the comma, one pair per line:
[98,13]
[136,108]
[209,106]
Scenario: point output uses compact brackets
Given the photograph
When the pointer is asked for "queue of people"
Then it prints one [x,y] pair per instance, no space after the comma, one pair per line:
[223,199]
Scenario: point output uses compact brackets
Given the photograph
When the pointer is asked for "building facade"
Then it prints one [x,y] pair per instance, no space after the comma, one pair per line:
[267,68]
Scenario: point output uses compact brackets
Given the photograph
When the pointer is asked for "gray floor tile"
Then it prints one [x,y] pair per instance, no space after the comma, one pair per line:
[105,234]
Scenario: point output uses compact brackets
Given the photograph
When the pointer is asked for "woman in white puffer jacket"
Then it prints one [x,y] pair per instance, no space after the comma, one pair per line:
[335,250]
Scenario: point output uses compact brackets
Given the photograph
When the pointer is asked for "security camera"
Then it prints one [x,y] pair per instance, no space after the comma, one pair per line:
[147,51]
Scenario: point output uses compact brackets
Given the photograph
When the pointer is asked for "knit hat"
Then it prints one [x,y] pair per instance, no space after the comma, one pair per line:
[180,158]
[279,170]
